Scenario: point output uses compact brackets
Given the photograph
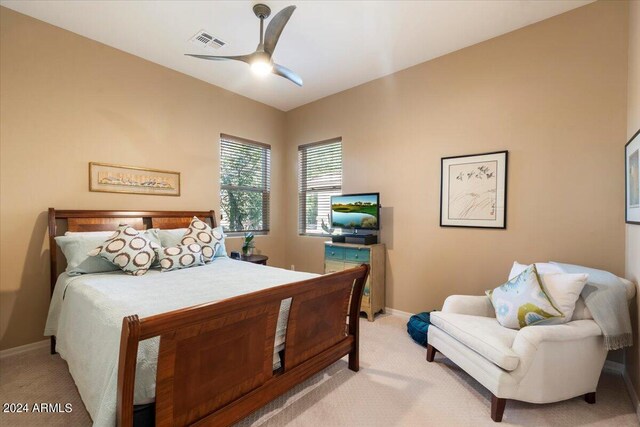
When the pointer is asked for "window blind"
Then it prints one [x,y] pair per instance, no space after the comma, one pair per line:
[245,184]
[319,178]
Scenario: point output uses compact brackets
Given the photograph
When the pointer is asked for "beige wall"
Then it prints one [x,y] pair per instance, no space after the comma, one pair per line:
[633,231]
[67,100]
[553,94]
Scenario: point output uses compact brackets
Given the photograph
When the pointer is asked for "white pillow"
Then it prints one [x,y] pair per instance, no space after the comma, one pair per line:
[581,312]
[542,267]
[564,290]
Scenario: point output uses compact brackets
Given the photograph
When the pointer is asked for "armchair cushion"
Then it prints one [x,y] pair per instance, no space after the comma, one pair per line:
[484,335]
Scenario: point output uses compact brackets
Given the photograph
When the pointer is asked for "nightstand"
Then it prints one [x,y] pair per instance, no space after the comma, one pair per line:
[256,259]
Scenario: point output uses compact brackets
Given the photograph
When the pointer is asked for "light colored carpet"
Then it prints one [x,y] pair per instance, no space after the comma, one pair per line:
[395,387]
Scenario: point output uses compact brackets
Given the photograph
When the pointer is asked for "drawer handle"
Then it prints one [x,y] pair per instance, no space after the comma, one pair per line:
[356,255]
[333,253]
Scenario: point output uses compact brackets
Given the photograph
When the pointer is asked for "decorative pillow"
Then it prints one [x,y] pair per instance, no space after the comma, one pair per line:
[179,257]
[541,267]
[129,250]
[523,301]
[563,289]
[211,239]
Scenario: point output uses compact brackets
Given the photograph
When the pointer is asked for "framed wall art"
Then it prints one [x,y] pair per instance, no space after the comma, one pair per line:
[473,190]
[632,179]
[108,178]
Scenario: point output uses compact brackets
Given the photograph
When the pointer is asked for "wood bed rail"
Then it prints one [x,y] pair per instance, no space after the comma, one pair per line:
[215,362]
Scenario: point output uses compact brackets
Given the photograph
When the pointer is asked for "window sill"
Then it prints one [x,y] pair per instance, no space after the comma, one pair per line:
[232,234]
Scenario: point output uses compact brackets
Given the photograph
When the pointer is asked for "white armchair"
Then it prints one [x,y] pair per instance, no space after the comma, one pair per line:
[537,364]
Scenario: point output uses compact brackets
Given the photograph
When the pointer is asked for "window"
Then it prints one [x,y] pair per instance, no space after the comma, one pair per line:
[320,177]
[245,175]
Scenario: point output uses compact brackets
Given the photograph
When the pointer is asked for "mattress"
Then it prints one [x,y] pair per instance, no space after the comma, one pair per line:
[86,315]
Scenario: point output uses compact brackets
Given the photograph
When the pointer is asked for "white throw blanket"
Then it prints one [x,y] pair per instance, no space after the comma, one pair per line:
[606,297]
[86,315]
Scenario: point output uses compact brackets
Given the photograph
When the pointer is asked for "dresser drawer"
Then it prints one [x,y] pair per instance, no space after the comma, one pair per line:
[334,253]
[358,256]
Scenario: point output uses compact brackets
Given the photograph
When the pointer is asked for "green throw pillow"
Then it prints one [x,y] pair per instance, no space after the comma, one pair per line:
[523,301]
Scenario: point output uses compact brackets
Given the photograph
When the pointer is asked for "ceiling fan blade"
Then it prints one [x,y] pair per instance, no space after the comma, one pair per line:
[275,27]
[281,71]
[243,58]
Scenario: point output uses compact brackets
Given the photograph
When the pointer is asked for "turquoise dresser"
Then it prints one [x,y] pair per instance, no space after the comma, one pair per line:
[342,256]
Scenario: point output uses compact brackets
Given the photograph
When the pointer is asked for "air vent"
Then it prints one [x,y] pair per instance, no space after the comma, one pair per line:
[205,39]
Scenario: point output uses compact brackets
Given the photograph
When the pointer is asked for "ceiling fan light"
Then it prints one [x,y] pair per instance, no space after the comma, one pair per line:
[261,68]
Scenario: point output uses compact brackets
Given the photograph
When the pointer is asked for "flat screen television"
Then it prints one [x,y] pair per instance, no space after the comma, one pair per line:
[359,211]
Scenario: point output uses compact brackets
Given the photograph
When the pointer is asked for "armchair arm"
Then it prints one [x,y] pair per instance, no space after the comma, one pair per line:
[533,336]
[474,305]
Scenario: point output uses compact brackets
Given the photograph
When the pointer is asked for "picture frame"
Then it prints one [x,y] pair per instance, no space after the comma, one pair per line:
[473,190]
[112,178]
[632,180]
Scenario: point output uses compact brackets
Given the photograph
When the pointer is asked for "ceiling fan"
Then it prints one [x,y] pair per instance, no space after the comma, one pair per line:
[260,60]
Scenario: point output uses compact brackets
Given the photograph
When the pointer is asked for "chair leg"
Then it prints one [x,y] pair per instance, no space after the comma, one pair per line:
[354,360]
[497,408]
[590,398]
[431,352]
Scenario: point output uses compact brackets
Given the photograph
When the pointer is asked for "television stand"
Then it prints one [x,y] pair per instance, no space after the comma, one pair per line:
[358,239]
[342,256]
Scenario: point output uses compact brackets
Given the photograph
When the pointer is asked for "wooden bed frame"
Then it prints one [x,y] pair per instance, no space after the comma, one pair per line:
[215,363]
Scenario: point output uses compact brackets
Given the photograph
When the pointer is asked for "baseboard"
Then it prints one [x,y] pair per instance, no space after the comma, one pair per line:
[613,367]
[620,369]
[632,392]
[24,348]
[398,313]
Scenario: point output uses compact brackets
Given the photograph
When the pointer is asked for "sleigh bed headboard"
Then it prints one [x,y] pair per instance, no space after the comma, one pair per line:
[95,220]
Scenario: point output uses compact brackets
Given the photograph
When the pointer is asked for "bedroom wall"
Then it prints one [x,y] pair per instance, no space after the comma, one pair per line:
[633,231]
[553,94]
[67,100]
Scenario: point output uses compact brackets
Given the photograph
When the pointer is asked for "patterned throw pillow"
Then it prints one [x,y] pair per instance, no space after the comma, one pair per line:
[200,233]
[181,256]
[129,250]
[523,301]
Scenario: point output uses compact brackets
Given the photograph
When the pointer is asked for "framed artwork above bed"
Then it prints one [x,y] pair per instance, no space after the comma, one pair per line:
[473,190]
[109,178]
[632,179]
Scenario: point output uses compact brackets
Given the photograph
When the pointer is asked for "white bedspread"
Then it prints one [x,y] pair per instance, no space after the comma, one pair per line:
[86,315]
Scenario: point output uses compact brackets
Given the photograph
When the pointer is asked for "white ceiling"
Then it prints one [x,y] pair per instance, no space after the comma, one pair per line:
[332,45]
